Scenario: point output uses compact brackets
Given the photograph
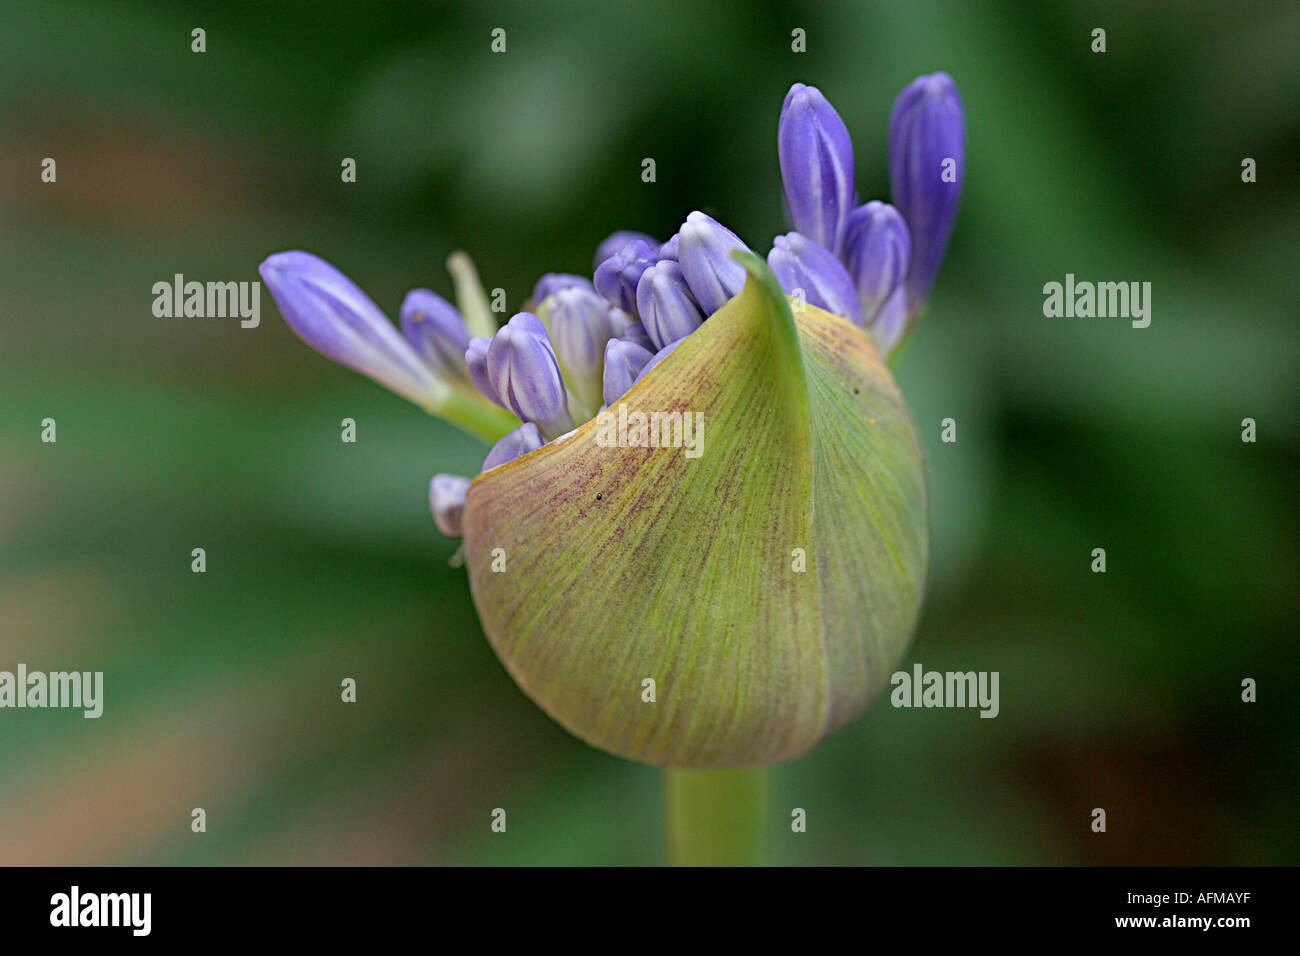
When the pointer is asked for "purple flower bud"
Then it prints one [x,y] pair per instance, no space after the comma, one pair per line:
[525,374]
[553,282]
[620,322]
[704,251]
[800,263]
[616,277]
[521,441]
[617,241]
[327,311]
[816,156]
[877,251]
[668,310]
[669,249]
[476,354]
[890,322]
[447,502]
[580,325]
[436,331]
[623,363]
[927,162]
[659,356]
[637,335]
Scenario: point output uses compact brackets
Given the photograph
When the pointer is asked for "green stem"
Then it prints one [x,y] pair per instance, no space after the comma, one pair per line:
[475,415]
[716,817]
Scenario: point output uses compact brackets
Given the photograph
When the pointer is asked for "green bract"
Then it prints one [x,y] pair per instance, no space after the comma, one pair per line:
[768,587]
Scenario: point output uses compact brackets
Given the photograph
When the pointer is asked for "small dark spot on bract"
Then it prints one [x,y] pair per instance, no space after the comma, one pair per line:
[599,496]
[856,391]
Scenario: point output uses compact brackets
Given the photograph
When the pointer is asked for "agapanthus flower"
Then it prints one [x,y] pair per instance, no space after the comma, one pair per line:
[768,585]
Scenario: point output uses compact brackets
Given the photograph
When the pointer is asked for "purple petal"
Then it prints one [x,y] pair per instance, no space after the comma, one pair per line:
[926,129]
[668,310]
[890,322]
[436,331]
[877,252]
[447,502]
[704,252]
[623,363]
[327,311]
[524,372]
[521,441]
[553,282]
[800,263]
[637,335]
[617,277]
[816,157]
[616,241]
[580,325]
[476,354]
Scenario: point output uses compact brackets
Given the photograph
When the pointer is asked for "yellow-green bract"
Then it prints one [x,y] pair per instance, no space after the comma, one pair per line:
[768,587]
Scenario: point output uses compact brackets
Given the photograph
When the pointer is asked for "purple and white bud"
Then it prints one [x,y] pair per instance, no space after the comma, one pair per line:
[816,157]
[447,503]
[669,249]
[890,322]
[525,374]
[620,321]
[801,264]
[327,311]
[877,252]
[927,163]
[617,240]
[668,310]
[580,324]
[476,354]
[704,248]
[553,282]
[434,328]
[623,363]
[617,277]
[521,441]
[637,335]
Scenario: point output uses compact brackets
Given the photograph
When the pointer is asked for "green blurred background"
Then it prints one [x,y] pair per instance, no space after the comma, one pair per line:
[1119,690]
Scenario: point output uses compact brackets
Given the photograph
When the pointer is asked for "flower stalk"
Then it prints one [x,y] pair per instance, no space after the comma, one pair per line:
[716,817]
